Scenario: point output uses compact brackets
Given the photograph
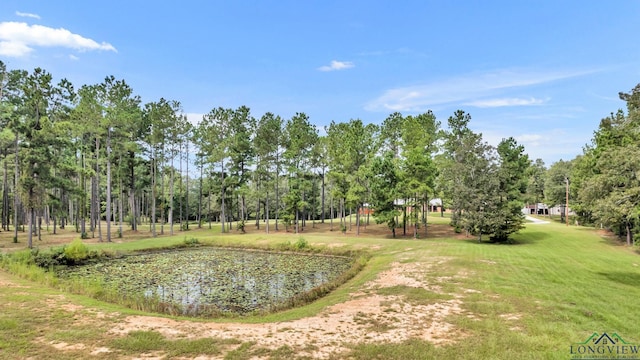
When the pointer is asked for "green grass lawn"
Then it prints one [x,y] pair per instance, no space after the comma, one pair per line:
[534,299]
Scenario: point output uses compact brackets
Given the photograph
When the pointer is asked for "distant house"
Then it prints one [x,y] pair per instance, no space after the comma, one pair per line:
[536,209]
[435,205]
[559,210]
[366,209]
[544,209]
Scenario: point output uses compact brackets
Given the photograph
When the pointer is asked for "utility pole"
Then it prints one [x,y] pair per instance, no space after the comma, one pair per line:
[566,206]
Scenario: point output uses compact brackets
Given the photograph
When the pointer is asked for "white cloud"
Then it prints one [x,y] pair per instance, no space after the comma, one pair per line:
[337,65]
[502,102]
[532,139]
[73,57]
[14,49]
[18,39]
[29,15]
[466,89]
[547,144]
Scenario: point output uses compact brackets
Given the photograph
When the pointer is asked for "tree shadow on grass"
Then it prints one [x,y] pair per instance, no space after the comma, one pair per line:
[622,277]
[518,239]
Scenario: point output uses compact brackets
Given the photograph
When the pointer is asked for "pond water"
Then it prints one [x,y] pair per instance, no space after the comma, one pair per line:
[228,280]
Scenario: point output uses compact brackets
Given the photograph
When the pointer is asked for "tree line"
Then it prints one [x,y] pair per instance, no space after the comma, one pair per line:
[79,157]
[604,181]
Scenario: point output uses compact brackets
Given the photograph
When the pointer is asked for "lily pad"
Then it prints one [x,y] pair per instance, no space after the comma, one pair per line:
[228,280]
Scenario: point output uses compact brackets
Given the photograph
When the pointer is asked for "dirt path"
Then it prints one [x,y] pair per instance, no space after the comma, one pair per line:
[535,221]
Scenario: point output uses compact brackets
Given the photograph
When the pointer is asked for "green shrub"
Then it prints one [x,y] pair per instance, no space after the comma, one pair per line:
[301,243]
[191,241]
[240,226]
[284,246]
[76,252]
[84,235]
[53,257]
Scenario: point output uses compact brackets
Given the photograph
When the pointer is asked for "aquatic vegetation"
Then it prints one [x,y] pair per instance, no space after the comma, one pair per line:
[207,280]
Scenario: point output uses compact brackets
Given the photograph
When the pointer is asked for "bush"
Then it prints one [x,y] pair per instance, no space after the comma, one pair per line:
[53,257]
[191,241]
[76,252]
[84,235]
[301,243]
[240,226]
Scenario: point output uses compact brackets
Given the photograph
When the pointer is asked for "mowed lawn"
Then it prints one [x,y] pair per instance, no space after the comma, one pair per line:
[534,299]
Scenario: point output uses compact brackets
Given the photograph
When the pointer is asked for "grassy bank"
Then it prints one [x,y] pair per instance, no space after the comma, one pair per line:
[554,287]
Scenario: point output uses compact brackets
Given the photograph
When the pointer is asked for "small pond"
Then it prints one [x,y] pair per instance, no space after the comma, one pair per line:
[227,280]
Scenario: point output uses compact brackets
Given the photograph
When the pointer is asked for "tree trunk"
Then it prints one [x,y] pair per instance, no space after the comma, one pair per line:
[120,209]
[426,218]
[404,218]
[350,213]
[97,189]
[244,211]
[186,197]
[83,207]
[153,193]
[415,217]
[266,211]
[5,196]
[331,214]
[180,194]
[163,198]
[303,211]
[277,182]
[368,209]
[222,218]
[32,214]
[258,213]
[358,220]
[15,194]
[199,196]
[297,216]
[132,192]
[108,202]
[171,195]
[629,235]
[209,208]
[323,197]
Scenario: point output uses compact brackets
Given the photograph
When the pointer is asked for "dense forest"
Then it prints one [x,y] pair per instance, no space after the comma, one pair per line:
[81,156]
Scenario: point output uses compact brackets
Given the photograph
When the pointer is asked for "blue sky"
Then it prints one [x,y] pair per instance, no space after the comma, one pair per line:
[544,72]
